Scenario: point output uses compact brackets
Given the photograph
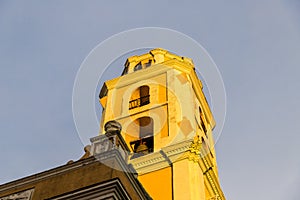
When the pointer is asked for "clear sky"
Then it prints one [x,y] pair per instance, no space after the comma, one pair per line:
[256,45]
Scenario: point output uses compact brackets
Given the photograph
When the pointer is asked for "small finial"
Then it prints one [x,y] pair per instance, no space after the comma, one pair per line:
[112,126]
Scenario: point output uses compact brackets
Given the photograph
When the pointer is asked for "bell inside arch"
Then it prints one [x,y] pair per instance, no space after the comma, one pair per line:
[142,148]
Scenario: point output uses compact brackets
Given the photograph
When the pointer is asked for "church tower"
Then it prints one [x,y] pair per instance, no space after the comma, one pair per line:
[167,123]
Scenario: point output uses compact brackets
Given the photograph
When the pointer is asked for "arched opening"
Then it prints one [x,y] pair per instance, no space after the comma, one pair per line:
[138,67]
[143,64]
[139,97]
[145,143]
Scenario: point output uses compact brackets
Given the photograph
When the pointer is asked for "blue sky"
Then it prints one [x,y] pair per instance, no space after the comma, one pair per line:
[254,43]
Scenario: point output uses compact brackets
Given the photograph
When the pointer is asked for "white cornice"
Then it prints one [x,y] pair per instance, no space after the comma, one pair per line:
[162,158]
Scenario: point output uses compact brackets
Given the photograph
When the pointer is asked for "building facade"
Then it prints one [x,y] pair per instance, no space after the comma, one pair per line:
[101,174]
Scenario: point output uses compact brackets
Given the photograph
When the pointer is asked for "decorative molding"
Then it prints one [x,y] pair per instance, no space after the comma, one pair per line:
[100,144]
[161,159]
[189,149]
[111,140]
[112,189]
[24,195]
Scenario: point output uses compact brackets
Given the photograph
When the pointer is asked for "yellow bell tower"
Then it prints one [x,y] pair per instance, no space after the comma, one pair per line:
[167,123]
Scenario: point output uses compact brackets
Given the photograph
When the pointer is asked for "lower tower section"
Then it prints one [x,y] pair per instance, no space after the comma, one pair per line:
[181,171]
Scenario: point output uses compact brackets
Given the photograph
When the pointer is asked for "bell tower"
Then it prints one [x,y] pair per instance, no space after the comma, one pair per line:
[167,123]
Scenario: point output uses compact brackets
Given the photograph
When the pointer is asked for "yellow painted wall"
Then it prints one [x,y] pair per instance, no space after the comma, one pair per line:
[188,181]
[158,184]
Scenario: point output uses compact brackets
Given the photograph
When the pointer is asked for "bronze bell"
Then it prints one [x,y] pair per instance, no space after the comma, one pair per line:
[142,148]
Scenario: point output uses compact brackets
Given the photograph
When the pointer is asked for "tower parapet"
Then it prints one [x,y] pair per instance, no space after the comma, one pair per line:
[155,56]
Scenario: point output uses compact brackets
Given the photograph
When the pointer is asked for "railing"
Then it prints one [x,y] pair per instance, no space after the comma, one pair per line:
[139,102]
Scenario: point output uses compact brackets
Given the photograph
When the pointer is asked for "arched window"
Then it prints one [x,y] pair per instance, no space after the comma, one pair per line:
[148,64]
[139,97]
[143,64]
[144,144]
[138,66]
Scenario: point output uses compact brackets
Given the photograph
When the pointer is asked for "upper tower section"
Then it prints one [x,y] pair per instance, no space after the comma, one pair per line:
[155,56]
[158,99]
